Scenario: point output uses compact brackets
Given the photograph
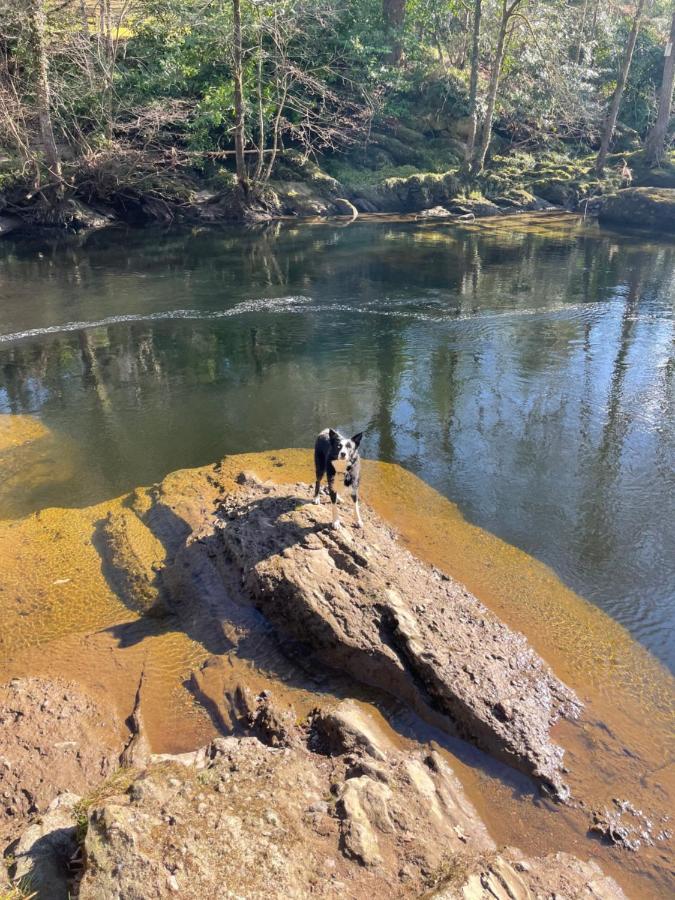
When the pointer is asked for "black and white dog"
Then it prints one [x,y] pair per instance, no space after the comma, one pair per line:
[335,454]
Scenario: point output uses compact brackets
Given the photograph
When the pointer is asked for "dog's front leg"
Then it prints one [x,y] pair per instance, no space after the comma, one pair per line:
[355,498]
[333,501]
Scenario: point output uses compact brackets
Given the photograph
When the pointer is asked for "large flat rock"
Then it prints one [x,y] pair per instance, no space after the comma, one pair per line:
[361,604]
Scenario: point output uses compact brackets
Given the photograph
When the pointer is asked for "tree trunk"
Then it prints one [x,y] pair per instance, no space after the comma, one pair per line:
[37,25]
[486,131]
[110,53]
[282,96]
[108,65]
[582,29]
[473,84]
[656,139]
[594,23]
[86,40]
[393,12]
[239,116]
[261,113]
[464,48]
[610,122]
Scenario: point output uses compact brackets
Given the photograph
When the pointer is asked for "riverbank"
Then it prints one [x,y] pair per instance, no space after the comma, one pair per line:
[178,587]
[302,188]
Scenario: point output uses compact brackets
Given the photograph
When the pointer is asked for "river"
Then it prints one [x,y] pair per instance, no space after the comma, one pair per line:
[522,367]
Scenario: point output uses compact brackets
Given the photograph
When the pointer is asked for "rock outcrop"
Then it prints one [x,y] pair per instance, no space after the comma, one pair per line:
[366,607]
[641,207]
[259,564]
[338,812]
[410,194]
[9,224]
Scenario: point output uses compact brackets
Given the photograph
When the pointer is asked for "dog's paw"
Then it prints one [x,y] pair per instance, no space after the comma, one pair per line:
[337,524]
[317,501]
[358,525]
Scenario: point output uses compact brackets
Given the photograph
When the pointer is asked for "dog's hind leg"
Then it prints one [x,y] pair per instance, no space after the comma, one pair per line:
[320,470]
[355,498]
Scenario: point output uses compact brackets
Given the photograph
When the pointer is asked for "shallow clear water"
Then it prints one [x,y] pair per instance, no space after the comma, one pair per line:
[524,368]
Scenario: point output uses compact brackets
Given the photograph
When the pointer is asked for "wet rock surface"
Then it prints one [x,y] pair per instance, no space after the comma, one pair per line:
[259,565]
[9,224]
[628,827]
[511,876]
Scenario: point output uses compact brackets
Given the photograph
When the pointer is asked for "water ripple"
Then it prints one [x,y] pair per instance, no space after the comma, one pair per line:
[295,304]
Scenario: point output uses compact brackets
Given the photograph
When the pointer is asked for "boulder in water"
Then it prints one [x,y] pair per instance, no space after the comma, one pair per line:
[641,207]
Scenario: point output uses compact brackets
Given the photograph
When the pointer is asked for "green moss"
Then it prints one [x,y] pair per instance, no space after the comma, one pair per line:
[117,783]
[353,176]
[8,181]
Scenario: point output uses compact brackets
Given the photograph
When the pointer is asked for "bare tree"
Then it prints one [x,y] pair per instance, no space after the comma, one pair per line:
[656,139]
[301,103]
[610,121]
[509,11]
[37,25]
[473,83]
[239,113]
[582,31]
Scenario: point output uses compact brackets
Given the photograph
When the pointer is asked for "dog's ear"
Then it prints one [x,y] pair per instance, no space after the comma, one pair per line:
[333,435]
[357,438]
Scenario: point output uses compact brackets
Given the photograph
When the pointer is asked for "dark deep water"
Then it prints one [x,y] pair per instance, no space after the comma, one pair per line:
[523,368]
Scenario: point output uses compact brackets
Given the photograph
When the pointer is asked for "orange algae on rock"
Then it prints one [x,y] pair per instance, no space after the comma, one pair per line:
[32,458]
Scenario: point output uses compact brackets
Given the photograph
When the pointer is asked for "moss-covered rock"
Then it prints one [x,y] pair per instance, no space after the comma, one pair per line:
[298,198]
[661,176]
[518,199]
[559,191]
[646,175]
[533,182]
[643,207]
[401,151]
[412,194]
[477,206]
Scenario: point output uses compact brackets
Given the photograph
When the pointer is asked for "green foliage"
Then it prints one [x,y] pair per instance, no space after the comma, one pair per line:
[318,82]
[640,99]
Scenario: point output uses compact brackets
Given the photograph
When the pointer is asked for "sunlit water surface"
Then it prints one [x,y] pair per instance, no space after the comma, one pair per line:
[524,368]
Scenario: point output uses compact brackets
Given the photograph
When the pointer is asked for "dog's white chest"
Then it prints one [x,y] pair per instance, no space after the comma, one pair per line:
[340,465]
